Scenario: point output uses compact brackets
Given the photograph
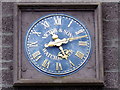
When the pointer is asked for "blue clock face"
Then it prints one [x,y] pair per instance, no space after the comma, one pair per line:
[57,44]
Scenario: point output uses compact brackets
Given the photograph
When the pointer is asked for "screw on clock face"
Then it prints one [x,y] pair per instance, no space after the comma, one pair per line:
[58,42]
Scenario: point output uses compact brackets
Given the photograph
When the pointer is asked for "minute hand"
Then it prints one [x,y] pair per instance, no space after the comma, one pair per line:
[63,41]
[75,38]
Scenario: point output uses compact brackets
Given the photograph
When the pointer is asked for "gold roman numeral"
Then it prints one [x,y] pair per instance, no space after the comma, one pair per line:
[79,54]
[71,63]
[58,66]
[33,44]
[83,43]
[57,20]
[70,23]
[37,55]
[46,63]
[79,31]
[45,24]
[35,32]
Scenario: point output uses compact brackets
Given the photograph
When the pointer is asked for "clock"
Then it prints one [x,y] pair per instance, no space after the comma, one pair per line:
[57,45]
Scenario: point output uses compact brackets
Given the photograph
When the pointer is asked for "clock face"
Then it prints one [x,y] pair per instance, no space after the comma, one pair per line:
[57,45]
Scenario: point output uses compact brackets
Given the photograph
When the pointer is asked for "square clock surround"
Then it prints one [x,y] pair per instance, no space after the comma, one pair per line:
[88,13]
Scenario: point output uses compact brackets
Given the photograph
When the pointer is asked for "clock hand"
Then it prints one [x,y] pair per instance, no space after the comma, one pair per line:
[54,36]
[65,56]
[59,42]
[50,44]
[75,38]
[56,42]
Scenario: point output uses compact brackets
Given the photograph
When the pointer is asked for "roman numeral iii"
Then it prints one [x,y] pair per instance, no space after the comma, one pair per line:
[83,43]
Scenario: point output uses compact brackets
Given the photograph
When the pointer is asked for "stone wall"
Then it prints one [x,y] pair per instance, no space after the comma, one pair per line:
[110,49]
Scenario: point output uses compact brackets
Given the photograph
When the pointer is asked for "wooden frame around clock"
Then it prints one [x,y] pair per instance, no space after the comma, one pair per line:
[24,75]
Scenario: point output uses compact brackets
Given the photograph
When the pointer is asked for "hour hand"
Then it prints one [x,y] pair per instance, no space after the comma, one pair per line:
[50,44]
[57,42]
